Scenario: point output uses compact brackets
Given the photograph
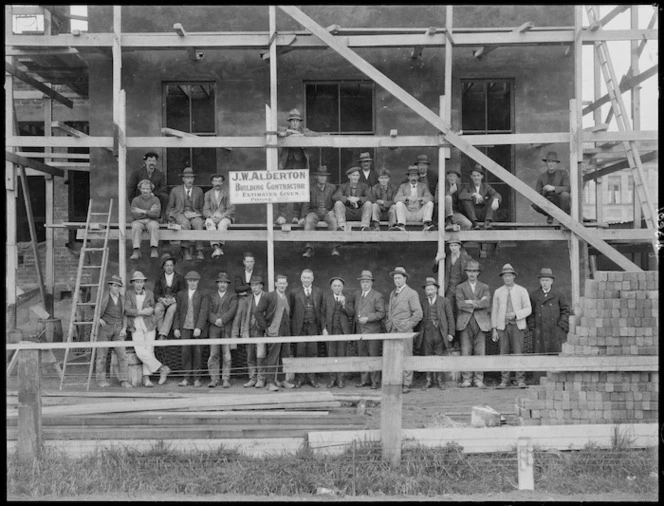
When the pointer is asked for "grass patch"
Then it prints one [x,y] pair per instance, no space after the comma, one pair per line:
[423,471]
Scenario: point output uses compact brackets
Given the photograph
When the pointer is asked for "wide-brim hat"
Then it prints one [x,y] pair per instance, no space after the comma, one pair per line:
[507,269]
[364,157]
[188,171]
[551,156]
[256,279]
[423,159]
[366,275]
[294,114]
[223,178]
[339,278]
[453,170]
[430,281]
[222,276]
[321,171]
[546,272]
[399,270]
[193,275]
[412,169]
[137,275]
[115,279]
[454,239]
[350,170]
[166,257]
[473,265]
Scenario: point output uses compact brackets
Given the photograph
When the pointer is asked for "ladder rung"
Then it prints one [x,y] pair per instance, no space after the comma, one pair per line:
[88,284]
[93,249]
[98,214]
[92,267]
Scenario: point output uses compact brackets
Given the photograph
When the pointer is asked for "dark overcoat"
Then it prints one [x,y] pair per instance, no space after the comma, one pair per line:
[549,321]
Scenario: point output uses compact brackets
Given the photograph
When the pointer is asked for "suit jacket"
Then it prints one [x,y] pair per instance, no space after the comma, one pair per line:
[404,193]
[158,179]
[223,206]
[520,303]
[371,180]
[241,285]
[249,326]
[297,300]
[464,257]
[345,314]
[486,190]
[404,311]
[455,196]
[201,303]
[160,288]
[549,320]
[224,308]
[176,201]
[430,180]
[343,192]
[327,198]
[104,302]
[265,311]
[373,307]
[132,309]
[387,195]
[465,310]
[299,154]
[445,317]
[560,180]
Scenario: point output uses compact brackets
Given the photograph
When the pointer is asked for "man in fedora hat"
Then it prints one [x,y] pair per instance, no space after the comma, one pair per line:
[222,309]
[473,300]
[151,172]
[166,287]
[553,185]
[319,208]
[367,174]
[478,199]
[256,353]
[428,177]
[242,284]
[382,198]
[369,309]
[454,218]
[511,307]
[436,328]
[455,268]
[337,314]
[112,327]
[185,208]
[414,202]
[549,320]
[217,210]
[142,323]
[190,322]
[145,212]
[353,201]
[404,312]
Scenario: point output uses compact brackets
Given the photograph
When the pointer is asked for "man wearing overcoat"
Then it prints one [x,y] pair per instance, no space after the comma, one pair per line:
[549,320]
[185,208]
[369,308]
[337,319]
[222,309]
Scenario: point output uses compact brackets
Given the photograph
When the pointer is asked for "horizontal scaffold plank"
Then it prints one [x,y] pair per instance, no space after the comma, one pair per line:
[59,142]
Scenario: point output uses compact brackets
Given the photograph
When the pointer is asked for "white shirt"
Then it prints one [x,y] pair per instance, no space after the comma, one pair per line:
[257,298]
[191,293]
[115,299]
[217,194]
[247,276]
[139,324]
[364,294]
[307,291]
[431,300]
[413,190]
[221,294]
[477,189]
[399,290]
[472,286]
[337,298]
[366,173]
[188,191]
[169,278]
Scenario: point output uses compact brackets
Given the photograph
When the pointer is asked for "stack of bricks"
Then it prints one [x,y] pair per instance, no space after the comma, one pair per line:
[619,315]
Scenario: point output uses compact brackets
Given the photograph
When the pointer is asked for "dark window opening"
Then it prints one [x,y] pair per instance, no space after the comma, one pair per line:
[36,188]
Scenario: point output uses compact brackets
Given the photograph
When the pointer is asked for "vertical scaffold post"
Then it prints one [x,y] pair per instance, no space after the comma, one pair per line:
[29,405]
[391,400]
[525,461]
[271,138]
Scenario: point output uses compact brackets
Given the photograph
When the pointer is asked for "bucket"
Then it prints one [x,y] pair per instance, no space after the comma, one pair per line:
[52,329]
[134,368]
[453,376]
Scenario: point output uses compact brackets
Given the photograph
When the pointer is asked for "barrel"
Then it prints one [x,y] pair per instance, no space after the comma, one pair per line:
[453,376]
[134,368]
[52,328]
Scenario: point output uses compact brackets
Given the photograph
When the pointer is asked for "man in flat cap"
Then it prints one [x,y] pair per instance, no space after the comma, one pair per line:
[222,309]
[368,175]
[382,198]
[473,300]
[256,353]
[338,313]
[185,208]
[145,212]
[151,172]
[319,208]
[353,201]
[436,328]
[369,309]
[478,199]
[553,185]
[242,286]
[404,312]
[511,307]
[218,211]
[455,220]
[414,202]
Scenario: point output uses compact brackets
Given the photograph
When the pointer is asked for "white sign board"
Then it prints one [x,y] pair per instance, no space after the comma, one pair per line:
[266,187]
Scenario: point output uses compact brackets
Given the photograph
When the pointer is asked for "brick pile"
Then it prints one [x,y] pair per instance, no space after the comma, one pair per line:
[619,315]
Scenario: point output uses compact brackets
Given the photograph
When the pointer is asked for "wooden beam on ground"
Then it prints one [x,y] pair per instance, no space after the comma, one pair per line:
[459,142]
[50,92]
[33,164]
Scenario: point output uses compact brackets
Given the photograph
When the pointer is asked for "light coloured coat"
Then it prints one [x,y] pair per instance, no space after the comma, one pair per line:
[520,303]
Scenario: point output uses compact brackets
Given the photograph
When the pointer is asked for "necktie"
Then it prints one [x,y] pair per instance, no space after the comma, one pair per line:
[337,298]
[431,301]
[188,194]
[364,294]
[306,292]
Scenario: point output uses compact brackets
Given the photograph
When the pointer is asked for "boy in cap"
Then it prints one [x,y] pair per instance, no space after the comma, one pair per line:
[112,327]
[414,202]
[511,307]
[256,353]
[353,201]
[166,287]
[382,197]
[185,208]
[142,322]
[145,212]
[319,208]
[454,218]
[190,322]
[479,200]
[217,210]
[337,317]
[369,308]
[553,185]
[367,174]
[222,309]
[473,300]
[151,172]
[436,327]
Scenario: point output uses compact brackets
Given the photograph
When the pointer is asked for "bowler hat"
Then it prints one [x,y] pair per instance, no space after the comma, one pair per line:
[423,159]
[507,269]
[166,257]
[115,279]
[256,279]
[188,171]
[322,171]
[383,172]
[137,275]
[477,168]
[339,278]
[454,238]
[430,281]
[473,265]
[192,275]
[454,170]
[412,169]
[399,270]
[350,170]
[551,156]
[365,157]
[546,272]
[222,276]
[294,114]
[223,178]
[366,275]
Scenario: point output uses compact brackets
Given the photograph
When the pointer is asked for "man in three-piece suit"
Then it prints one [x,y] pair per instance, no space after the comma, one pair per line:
[353,201]
[190,322]
[222,309]
[185,208]
[218,212]
[256,353]
[368,174]
[337,316]
[369,307]
[473,299]
[306,302]
[319,208]
[413,202]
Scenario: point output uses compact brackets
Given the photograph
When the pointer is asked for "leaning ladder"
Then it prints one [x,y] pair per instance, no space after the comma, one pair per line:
[75,326]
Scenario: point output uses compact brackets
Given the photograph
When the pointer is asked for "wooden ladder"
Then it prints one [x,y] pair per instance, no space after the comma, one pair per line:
[94,221]
[620,112]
